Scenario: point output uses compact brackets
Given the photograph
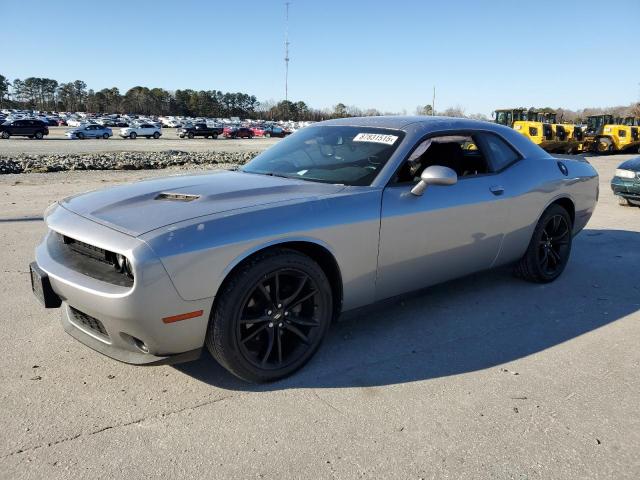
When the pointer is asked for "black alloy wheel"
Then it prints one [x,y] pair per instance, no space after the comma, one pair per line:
[279,319]
[550,247]
[271,317]
[554,244]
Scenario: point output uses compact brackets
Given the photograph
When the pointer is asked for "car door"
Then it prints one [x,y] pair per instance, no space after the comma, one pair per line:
[448,232]
[31,127]
[15,128]
[21,127]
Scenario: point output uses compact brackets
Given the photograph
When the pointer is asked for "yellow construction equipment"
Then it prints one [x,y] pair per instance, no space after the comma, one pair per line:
[606,134]
[541,128]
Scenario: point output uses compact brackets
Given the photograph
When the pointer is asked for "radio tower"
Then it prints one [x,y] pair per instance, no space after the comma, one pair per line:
[286,53]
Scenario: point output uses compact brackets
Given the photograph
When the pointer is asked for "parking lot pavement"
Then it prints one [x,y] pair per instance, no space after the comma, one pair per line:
[57,143]
[484,377]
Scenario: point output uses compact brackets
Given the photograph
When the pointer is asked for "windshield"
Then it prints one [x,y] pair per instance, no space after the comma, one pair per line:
[504,118]
[330,154]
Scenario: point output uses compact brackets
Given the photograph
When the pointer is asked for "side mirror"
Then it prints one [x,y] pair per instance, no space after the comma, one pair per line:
[435,175]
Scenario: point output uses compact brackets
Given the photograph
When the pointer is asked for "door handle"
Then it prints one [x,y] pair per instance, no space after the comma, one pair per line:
[497,189]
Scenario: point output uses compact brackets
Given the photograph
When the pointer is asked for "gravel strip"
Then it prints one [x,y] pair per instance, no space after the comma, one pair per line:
[30,163]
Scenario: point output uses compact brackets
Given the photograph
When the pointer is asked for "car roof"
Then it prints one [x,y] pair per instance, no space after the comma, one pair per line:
[400,122]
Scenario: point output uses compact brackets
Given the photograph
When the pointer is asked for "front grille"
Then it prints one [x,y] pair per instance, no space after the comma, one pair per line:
[91,251]
[88,321]
[89,260]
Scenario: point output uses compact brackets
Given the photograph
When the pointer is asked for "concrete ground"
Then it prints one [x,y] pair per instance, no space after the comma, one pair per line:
[483,377]
[57,143]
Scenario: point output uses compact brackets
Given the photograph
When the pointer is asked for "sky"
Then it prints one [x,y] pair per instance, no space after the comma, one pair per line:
[480,55]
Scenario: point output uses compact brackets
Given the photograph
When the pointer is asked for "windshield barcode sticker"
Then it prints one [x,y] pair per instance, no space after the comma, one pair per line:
[375,138]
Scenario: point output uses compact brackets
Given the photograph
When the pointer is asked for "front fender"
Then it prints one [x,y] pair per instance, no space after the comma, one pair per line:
[199,254]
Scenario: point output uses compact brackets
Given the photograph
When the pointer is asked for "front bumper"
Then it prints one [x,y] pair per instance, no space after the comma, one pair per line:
[627,188]
[122,322]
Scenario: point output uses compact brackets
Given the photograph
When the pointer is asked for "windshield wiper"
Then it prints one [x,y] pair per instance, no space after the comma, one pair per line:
[270,174]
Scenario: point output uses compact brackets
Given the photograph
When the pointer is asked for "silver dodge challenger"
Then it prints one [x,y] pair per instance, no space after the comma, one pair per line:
[256,263]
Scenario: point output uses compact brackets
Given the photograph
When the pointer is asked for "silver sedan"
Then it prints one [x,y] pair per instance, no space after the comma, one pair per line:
[254,264]
[89,131]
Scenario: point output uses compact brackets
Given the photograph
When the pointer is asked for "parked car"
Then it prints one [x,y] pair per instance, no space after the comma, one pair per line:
[237,132]
[24,128]
[143,130]
[199,130]
[260,131]
[255,264]
[89,131]
[275,131]
[626,182]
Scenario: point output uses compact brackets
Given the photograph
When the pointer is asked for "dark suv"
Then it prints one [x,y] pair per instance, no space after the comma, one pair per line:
[199,130]
[24,128]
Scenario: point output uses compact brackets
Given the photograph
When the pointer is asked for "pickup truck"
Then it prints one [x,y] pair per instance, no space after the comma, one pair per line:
[199,130]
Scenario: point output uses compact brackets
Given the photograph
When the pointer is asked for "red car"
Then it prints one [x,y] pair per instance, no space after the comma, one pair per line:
[261,131]
[237,132]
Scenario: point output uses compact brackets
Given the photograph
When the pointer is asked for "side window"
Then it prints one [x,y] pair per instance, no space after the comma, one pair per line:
[622,133]
[499,152]
[458,152]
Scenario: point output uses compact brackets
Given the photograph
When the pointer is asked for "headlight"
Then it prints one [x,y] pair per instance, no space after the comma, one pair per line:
[622,173]
[518,127]
[607,130]
[123,265]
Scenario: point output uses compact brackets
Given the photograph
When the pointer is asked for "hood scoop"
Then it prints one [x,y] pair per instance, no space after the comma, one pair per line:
[177,197]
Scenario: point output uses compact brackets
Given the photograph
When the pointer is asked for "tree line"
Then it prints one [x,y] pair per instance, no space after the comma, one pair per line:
[46,94]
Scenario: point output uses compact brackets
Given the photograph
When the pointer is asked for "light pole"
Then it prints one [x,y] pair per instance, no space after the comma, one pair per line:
[286,53]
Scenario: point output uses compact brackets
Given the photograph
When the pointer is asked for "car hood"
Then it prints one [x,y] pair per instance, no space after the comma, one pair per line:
[144,206]
[633,164]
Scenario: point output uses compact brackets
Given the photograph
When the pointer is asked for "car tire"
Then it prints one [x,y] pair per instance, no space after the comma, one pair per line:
[105,136]
[133,135]
[267,135]
[5,135]
[214,136]
[550,247]
[190,135]
[39,135]
[80,135]
[623,201]
[156,135]
[276,341]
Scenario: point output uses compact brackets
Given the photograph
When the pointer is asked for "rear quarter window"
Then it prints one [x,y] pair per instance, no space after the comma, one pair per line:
[501,154]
